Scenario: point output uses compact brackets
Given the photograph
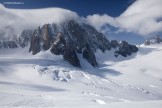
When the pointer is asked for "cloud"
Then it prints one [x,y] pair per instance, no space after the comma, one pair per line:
[99,20]
[14,21]
[142,17]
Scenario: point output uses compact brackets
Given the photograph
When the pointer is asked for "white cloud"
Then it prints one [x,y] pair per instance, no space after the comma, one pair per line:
[98,21]
[13,21]
[141,17]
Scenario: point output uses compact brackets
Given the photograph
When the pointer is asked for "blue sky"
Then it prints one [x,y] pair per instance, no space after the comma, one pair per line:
[82,7]
[130,20]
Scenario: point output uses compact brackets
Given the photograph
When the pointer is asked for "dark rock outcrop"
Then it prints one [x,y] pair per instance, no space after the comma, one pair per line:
[11,44]
[68,39]
[125,49]
[147,42]
[71,37]
[158,39]
[71,56]
[25,38]
[96,39]
[46,37]
[154,40]
[8,44]
[41,39]
[3,45]
[114,44]
[89,56]
[35,45]
[133,48]
[59,45]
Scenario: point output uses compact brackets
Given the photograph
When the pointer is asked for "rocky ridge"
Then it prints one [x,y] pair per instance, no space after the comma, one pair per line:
[70,39]
[154,40]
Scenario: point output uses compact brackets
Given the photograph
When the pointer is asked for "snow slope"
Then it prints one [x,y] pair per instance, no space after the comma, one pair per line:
[46,80]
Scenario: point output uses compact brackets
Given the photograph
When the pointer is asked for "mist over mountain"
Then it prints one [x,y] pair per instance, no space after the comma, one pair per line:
[14,21]
[65,33]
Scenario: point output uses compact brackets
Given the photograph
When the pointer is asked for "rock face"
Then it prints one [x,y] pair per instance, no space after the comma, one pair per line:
[46,37]
[25,38]
[70,56]
[68,39]
[114,44]
[8,44]
[147,42]
[59,45]
[71,37]
[35,45]
[89,55]
[153,40]
[125,49]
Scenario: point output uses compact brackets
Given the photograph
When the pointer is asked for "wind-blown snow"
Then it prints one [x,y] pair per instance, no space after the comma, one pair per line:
[46,80]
